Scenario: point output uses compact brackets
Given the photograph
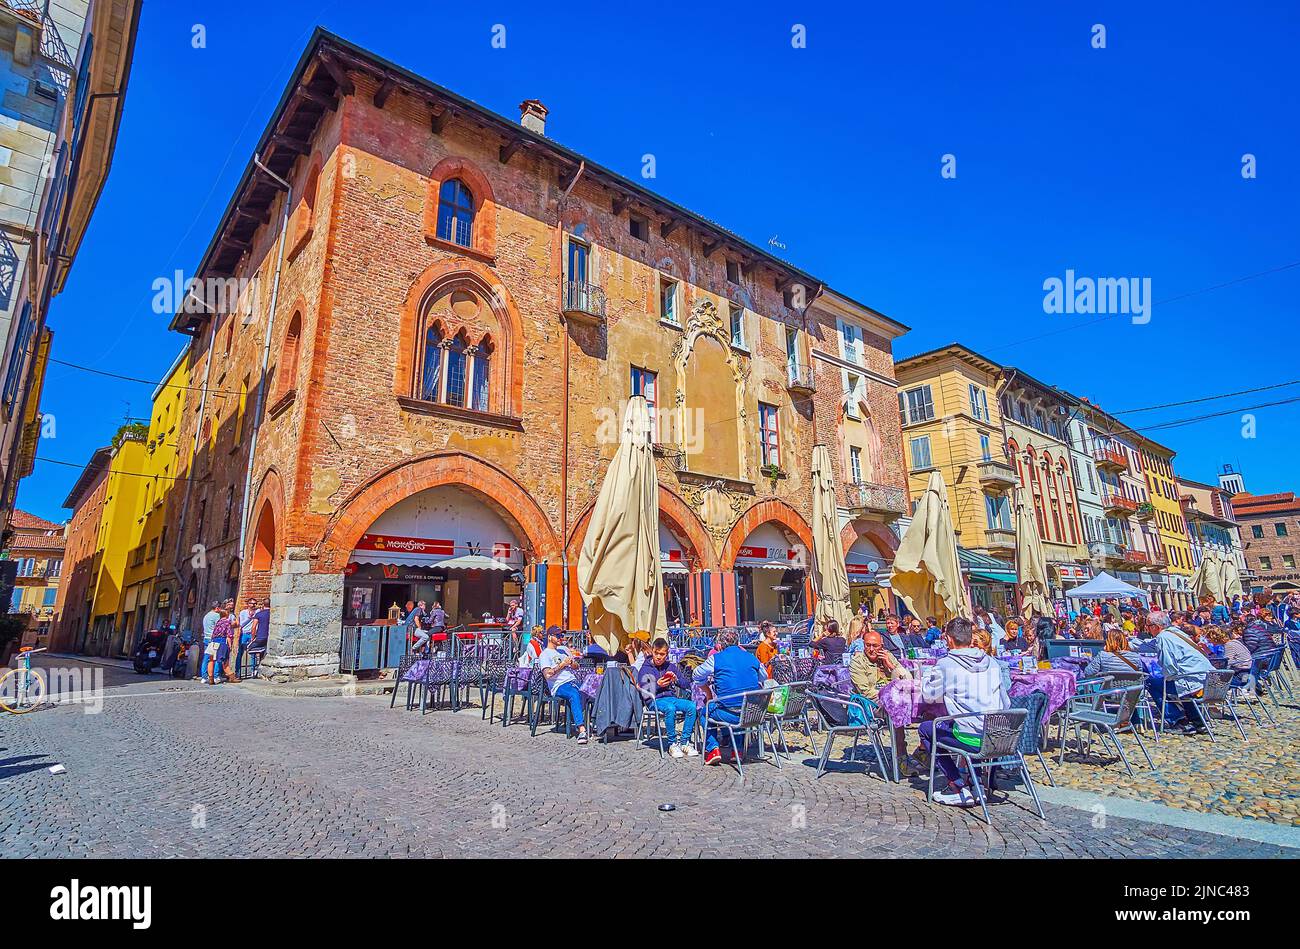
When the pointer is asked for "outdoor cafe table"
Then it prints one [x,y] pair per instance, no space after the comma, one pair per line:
[901,698]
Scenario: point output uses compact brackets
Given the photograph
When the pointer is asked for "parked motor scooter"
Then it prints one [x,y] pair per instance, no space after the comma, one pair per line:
[148,654]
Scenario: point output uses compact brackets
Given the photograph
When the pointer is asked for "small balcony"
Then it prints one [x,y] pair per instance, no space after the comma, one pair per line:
[1110,554]
[1117,505]
[1145,511]
[1109,459]
[1000,541]
[883,499]
[997,475]
[1159,559]
[799,379]
[584,302]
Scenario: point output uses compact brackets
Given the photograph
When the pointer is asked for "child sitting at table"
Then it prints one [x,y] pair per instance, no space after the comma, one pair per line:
[967,681]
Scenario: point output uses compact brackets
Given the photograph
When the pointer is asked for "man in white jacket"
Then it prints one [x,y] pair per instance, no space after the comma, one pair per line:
[966,680]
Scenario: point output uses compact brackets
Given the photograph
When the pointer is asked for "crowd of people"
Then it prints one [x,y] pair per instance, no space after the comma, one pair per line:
[965,679]
[229,636]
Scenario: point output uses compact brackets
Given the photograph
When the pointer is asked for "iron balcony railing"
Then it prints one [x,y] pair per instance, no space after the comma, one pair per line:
[584,300]
[881,498]
[800,378]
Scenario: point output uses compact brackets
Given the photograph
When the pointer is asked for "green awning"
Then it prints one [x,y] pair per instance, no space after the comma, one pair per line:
[996,576]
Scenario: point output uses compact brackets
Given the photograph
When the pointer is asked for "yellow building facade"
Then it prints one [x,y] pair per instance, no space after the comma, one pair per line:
[1165,514]
[951,421]
[158,470]
[117,529]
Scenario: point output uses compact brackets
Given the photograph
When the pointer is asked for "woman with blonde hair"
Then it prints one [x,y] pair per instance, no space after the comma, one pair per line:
[857,626]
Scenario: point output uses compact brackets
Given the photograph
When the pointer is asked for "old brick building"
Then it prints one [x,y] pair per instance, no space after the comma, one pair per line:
[462,309]
[1270,535]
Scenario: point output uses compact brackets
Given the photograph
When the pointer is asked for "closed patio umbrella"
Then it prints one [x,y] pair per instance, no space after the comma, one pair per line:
[1031,565]
[1208,578]
[619,574]
[1231,580]
[832,575]
[926,572]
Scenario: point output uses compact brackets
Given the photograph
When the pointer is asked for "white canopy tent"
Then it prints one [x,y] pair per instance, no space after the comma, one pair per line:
[1103,585]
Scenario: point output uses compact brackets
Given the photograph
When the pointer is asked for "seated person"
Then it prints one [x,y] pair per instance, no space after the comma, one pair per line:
[1011,640]
[831,644]
[893,636]
[531,645]
[1183,665]
[1261,631]
[983,639]
[557,663]
[767,648]
[733,670]
[932,631]
[1115,656]
[914,637]
[966,680]
[869,670]
[659,680]
[1235,653]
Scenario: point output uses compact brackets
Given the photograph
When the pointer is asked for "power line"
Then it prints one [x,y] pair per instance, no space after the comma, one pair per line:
[133,474]
[1208,398]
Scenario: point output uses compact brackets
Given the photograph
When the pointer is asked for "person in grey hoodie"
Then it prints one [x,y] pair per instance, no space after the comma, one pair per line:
[967,679]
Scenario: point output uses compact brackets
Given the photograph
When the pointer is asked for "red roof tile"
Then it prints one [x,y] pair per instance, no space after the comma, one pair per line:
[24,521]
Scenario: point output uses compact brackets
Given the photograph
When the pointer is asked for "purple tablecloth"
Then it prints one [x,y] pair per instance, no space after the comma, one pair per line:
[1059,684]
[443,669]
[901,700]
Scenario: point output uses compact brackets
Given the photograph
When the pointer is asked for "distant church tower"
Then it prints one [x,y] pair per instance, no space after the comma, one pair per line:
[1231,481]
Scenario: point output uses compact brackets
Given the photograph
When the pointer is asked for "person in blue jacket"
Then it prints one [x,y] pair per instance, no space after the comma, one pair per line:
[733,670]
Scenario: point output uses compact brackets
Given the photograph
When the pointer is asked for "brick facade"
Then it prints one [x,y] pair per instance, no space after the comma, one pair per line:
[369,284]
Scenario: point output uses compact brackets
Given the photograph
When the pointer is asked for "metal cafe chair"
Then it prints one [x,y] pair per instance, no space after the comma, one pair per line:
[1110,715]
[795,712]
[1218,694]
[752,718]
[1195,699]
[833,710]
[999,748]
[1242,689]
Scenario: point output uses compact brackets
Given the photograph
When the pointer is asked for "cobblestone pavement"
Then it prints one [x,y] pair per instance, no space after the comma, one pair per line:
[1258,778]
[272,776]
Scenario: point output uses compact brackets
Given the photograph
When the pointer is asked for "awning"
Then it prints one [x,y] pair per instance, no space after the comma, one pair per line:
[397,559]
[671,566]
[979,566]
[475,562]
[756,564]
[993,576]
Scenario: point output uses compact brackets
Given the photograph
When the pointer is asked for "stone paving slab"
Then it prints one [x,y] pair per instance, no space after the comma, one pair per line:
[221,771]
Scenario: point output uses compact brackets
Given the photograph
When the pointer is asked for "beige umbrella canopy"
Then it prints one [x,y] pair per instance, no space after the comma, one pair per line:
[927,573]
[831,575]
[618,570]
[1231,579]
[1031,565]
[1208,578]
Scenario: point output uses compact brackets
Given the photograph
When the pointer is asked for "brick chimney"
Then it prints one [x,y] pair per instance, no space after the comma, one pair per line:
[532,116]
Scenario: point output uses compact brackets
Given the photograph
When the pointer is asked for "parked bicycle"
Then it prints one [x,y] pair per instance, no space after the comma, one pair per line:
[23,689]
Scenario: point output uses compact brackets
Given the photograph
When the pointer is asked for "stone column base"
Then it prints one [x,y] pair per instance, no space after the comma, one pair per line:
[306,621]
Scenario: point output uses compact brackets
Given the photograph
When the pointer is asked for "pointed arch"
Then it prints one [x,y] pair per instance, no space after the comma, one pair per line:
[479,281]
[763,512]
[384,489]
[678,515]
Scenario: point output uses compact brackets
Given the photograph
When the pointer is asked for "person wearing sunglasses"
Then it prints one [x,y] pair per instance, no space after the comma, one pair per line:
[557,663]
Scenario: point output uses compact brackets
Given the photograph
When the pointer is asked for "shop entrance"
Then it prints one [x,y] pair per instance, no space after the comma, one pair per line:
[770,575]
[442,545]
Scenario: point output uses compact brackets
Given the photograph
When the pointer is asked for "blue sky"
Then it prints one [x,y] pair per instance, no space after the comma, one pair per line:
[1117,162]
